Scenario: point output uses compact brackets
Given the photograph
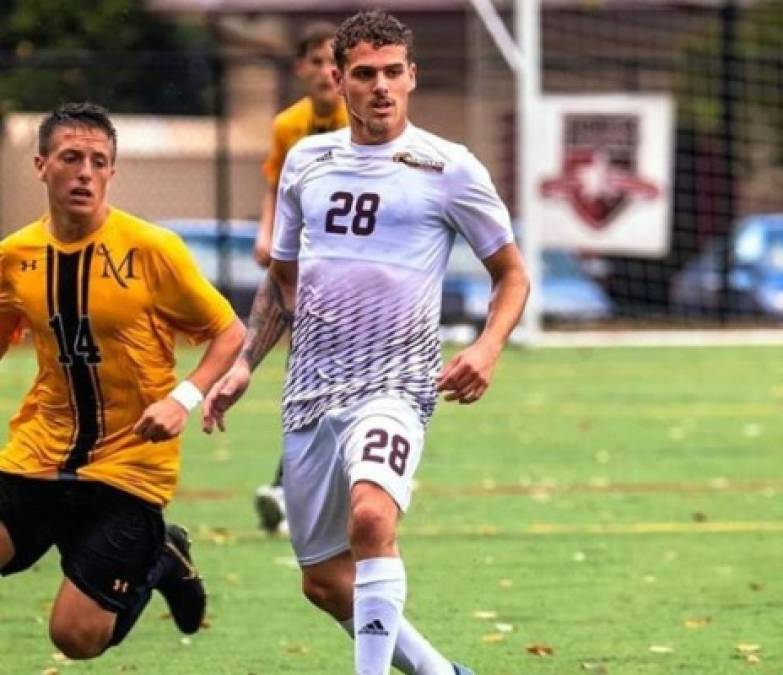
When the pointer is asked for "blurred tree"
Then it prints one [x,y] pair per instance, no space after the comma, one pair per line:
[112,52]
[754,78]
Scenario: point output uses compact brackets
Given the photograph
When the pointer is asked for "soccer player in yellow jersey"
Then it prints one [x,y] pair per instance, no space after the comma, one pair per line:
[322,109]
[93,453]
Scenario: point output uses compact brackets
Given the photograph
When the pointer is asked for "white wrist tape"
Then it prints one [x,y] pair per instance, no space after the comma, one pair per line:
[187,394]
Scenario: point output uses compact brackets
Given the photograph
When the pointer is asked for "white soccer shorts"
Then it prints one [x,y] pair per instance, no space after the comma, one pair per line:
[378,440]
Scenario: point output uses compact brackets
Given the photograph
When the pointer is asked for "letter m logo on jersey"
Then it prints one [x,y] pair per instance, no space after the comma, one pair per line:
[121,270]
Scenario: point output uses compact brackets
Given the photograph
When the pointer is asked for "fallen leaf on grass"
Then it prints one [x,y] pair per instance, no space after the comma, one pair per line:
[50,671]
[504,627]
[487,530]
[540,650]
[485,614]
[661,649]
[698,622]
[506,583]
[753,659]
[595,668]
[746,648]
[493,637]
[59,657]
[218,535]
[297,649]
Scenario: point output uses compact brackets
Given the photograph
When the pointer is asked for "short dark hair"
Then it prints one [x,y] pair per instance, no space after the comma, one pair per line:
[373,26]
[313,36]
[85,114]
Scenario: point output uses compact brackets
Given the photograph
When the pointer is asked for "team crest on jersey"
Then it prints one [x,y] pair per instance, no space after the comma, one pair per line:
[599,176]
[408,159]
[120,271]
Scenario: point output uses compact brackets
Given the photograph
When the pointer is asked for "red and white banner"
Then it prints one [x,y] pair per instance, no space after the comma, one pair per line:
[604,173]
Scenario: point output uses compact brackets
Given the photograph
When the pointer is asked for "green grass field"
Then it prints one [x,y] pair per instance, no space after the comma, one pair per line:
[620,508]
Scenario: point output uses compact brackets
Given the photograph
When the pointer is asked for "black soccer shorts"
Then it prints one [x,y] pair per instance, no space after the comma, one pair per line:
[108,539]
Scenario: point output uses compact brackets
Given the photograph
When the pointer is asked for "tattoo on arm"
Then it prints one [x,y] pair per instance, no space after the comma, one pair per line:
[268,320]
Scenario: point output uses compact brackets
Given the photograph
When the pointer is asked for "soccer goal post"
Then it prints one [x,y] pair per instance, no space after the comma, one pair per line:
[522,53]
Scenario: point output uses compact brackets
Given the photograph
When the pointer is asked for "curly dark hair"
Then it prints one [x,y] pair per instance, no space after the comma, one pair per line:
[85,114]
[374,26]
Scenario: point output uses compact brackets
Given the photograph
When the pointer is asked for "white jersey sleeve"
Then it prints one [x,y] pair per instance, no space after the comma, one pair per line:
[288,218]
[474,208]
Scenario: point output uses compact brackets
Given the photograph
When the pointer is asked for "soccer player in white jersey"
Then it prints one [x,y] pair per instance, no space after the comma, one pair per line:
[365,221]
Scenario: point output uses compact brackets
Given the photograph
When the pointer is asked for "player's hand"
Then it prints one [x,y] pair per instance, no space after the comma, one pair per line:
[224,393]
[161,421]
[467,375]
[262,249]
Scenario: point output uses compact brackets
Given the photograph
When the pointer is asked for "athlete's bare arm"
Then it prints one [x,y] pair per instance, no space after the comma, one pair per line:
[166,418]
[467,375]
[263,245]
[271,315]
[9,331]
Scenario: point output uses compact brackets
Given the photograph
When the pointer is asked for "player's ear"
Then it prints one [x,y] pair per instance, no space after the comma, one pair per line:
[299,66]
[412,71]
[40,165]
[339,80]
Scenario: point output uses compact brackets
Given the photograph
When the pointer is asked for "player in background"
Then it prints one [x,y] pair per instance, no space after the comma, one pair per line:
[321,109]
[366,218]
[93,453]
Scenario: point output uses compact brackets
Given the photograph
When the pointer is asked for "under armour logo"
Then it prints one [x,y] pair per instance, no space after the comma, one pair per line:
[29,265]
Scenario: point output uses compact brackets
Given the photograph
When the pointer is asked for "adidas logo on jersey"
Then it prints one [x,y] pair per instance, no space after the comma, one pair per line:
[417,163]
[374,628]
[325,157]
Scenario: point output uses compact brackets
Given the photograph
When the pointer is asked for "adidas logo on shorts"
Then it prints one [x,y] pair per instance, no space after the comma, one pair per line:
[374,628]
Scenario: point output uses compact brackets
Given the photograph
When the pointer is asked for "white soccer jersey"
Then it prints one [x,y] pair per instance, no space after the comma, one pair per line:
[372,227]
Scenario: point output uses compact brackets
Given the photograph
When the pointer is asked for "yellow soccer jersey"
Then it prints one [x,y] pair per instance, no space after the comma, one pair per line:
[103,313]
[293,124]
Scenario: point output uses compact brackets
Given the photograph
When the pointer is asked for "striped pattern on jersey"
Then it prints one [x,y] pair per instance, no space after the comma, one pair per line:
[361,331]
[67,295]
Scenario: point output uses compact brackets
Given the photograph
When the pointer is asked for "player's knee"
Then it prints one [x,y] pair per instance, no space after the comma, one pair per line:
[328,595]
[78,640]
[317,592]
[371,527]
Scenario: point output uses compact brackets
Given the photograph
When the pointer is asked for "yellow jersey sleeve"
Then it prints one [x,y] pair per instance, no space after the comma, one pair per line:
[184,298]
[281,143]
[10,318]
[291,125]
